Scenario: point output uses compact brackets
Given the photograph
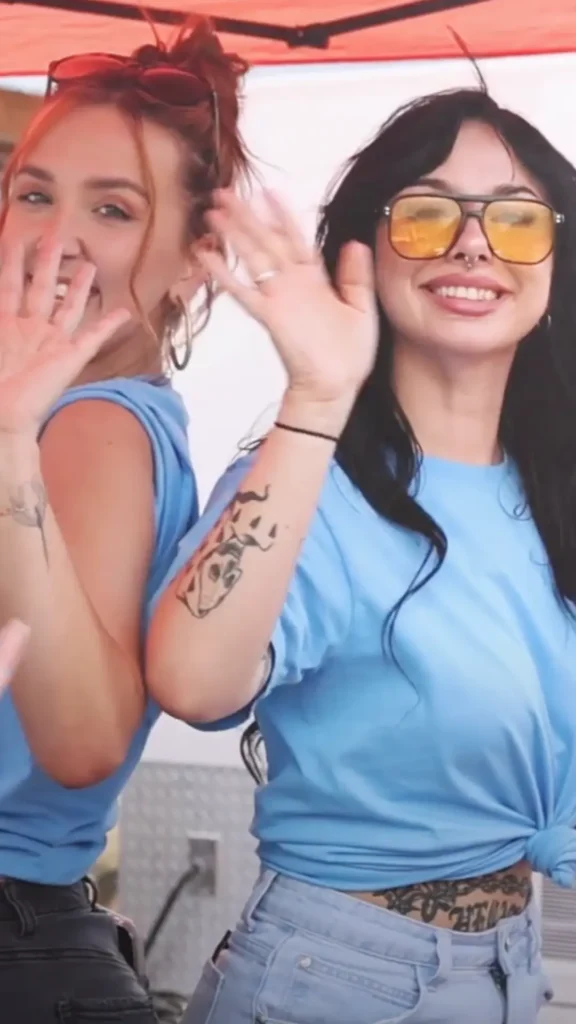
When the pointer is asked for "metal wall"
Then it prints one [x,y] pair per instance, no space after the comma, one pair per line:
[163,803]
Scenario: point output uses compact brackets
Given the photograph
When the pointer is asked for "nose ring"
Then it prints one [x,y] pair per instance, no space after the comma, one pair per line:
[470,262]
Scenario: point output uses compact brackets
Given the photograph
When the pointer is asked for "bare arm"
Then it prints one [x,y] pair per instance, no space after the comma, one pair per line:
[76,535]
[212,628]
[209,636]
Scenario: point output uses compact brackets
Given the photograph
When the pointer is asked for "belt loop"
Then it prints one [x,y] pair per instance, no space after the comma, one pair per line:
[91,889]
[263,885]
[505,942]
[22,908]
[534,937]
[444,954]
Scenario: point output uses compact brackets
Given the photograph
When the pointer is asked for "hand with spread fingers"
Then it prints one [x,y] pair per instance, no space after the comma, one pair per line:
[326,336]
[42,351]
[13,640]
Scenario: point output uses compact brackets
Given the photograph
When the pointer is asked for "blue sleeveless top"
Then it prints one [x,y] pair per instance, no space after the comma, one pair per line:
[50,834]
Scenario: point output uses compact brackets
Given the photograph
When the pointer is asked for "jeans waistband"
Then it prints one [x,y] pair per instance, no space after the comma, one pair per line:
[43,899]
[364,926]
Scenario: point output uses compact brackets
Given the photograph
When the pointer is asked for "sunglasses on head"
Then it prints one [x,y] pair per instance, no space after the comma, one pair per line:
[171,86]
[517,230]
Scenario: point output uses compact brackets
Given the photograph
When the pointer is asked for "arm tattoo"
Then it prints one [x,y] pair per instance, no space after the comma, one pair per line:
[27,506]
[216,567]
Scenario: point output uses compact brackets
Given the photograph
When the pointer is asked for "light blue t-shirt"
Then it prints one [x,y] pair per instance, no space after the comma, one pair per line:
[459,760]
[50,834]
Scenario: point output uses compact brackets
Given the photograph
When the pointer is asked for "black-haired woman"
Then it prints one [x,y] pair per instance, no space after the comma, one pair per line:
[388,582]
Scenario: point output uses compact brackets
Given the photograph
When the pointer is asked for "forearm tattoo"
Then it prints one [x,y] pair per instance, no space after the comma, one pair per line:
[27,506]
[216,567]
[461,902]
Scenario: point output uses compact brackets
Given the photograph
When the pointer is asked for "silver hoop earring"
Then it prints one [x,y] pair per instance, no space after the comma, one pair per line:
[180,355]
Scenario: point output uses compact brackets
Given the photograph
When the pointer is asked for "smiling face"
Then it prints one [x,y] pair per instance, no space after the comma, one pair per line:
[466,302]
[83,180]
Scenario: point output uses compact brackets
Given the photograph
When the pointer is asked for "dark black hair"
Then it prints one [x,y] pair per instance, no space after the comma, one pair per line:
[537,427]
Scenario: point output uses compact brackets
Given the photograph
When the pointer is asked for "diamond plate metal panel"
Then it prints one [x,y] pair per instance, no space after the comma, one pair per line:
[558,922]
[162,804]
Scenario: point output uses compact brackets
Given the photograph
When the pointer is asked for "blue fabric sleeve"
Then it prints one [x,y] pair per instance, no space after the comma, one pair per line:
[317,612]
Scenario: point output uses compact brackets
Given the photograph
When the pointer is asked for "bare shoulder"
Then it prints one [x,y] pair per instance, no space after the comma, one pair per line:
[92,443]
[98,471]
[98,422]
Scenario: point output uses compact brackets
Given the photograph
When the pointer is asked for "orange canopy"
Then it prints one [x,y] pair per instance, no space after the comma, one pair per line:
[34,32]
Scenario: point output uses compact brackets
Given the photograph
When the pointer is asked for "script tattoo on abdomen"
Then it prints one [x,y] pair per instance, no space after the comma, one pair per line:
[509,894]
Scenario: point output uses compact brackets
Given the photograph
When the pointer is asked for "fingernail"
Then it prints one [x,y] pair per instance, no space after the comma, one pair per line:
[13,639]
[16,630]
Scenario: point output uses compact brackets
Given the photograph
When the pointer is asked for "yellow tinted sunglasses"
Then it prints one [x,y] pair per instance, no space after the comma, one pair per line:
[517,230]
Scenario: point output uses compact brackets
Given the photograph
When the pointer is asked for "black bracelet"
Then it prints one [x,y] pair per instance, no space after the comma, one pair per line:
[310,433]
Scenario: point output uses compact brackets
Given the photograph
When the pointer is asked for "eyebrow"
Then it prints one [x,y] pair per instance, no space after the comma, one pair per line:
[92,183]
[440,185]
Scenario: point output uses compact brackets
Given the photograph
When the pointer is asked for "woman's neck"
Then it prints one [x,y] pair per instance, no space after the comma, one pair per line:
[128,357]
[454,404]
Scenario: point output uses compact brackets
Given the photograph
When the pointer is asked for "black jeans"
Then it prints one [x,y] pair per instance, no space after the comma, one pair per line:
[61,960]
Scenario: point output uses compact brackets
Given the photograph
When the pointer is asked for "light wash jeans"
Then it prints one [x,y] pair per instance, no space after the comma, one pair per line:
[306,955]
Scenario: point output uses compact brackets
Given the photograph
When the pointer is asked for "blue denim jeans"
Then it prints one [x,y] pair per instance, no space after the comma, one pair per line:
[306,955]
[64,961]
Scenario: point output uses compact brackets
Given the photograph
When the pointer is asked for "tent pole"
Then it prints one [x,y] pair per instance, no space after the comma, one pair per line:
[316,36]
